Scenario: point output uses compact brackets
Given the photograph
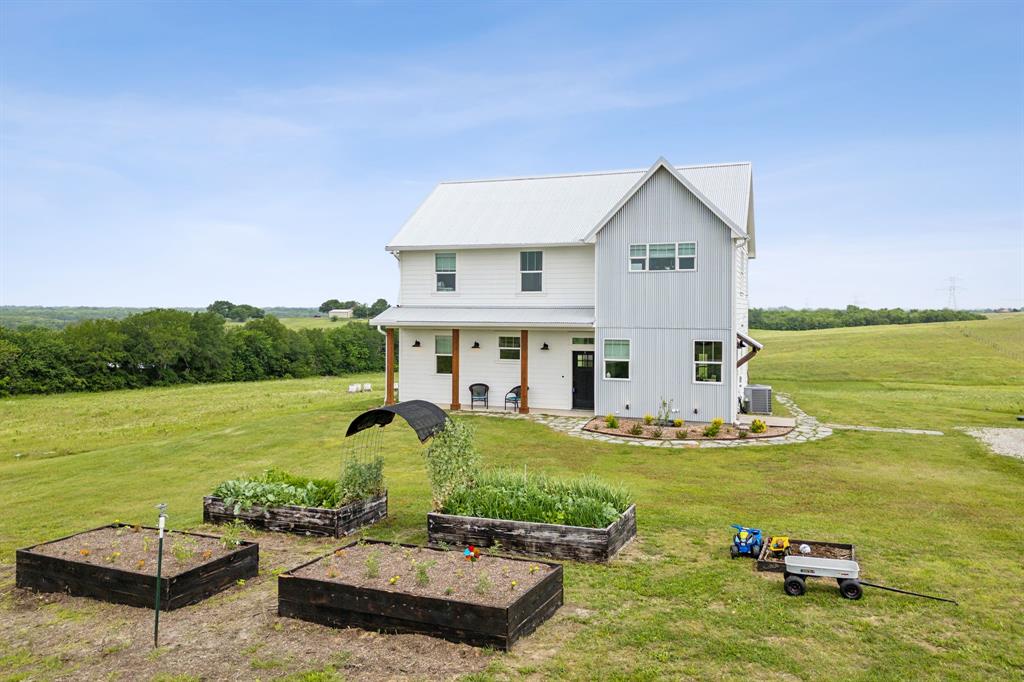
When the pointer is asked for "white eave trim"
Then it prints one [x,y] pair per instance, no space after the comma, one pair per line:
[658,165]
[396,248]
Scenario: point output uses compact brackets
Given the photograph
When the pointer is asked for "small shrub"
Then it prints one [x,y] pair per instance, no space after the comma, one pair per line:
[231,534]
[636,429]
[677,423]
[758,426]
[681,434]
[665,412]
[656,432]
[422,572]
[373,564]
[611,421]
[648,419]
[483,584]
[452,461]
[712,429]
[361,479]
[742,433]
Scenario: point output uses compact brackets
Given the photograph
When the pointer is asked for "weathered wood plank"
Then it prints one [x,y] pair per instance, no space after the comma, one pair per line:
[340,605]
[44,573]
[302,520]
[534,539]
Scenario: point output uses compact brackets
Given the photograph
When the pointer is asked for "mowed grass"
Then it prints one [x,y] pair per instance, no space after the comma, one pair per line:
[936,376]
[933,514]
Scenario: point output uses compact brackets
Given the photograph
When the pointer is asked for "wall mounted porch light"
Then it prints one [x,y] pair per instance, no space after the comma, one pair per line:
[416,343]
[476,345]
[545,347]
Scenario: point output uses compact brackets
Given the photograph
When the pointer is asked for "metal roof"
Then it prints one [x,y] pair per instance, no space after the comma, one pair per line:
[553,209]
[474,316]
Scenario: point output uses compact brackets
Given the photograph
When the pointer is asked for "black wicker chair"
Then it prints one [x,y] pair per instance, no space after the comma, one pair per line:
[512,398]
[478,394]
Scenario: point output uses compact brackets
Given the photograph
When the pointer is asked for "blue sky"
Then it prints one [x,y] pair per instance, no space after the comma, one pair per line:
[173,154]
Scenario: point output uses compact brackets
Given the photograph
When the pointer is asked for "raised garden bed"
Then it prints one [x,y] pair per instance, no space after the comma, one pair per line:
[303,520]
[691,431]
[403,588]
[117,563]
[824,550]
[535,539]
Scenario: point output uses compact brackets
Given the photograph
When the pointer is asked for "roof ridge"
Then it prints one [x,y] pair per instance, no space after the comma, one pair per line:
[584,174]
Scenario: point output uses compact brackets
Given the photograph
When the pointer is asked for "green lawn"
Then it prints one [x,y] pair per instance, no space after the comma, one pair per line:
[933,514]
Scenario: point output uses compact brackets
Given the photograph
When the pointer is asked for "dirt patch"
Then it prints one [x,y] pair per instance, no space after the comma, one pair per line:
[636,428]
[488,581]
[234,635]
[132,548]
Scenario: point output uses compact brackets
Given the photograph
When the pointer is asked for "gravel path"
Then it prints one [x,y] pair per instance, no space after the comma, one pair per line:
[1009,442]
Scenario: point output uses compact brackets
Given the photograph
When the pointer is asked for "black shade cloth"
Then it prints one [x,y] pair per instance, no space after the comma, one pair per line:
[425,418]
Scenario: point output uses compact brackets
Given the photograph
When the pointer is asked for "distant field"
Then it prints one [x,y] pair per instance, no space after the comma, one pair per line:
[58,317]
[936,375]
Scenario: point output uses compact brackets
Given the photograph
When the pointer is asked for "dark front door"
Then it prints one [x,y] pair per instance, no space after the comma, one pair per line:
[583,380]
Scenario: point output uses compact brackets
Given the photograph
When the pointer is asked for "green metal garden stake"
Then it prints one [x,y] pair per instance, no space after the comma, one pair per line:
[159,567]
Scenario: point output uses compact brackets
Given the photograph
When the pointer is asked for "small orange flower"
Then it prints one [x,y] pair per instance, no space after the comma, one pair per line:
[84,552]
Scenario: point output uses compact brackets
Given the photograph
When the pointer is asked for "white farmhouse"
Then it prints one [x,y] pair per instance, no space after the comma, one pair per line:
[604,292]
[340,313]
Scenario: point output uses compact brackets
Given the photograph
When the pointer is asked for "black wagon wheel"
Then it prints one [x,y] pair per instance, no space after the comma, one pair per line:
[851,589]
[795,586]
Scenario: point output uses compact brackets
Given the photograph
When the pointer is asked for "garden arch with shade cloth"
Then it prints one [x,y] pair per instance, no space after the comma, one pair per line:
[426,419]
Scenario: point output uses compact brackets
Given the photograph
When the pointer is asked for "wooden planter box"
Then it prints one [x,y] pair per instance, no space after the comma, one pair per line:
[534,539]
[339,605]
[766,562]
[303,520]
[44,573]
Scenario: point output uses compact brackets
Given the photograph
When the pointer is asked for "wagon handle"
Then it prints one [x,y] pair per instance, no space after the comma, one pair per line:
[913,594]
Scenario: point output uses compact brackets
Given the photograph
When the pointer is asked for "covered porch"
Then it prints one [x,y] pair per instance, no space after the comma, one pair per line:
[473,358]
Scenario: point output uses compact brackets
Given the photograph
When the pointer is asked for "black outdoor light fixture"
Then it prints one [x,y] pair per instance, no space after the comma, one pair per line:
[416,343]
[545,346]
[476,345]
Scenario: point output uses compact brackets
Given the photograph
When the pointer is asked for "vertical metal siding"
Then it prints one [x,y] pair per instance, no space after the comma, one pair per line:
[664,312]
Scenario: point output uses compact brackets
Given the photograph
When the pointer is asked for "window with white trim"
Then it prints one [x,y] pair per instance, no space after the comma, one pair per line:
[531,271]
[443,354]
[583,340]
[679,256]
[707,361]
[508,348]
[616,358]
[444,271]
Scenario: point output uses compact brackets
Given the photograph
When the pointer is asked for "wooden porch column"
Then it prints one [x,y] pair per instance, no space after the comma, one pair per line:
[524,372]
[389,366]
[455,370]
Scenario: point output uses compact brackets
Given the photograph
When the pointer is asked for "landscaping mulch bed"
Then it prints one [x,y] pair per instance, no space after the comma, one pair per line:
[822,550]
[691,431]
[117,563]
[492,601]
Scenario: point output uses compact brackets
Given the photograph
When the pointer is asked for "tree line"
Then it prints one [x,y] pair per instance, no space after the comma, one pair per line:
[165,346]
[852,316]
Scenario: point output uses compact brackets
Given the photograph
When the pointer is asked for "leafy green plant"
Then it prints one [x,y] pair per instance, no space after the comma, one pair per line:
[423,572]
[231,534]
[648,419]
[361,479]
[758,426]
[183,549]
[519,496]
[275,488]
[452,460]
[742,433]
[682,434]
[665,412]
[656,432]
[677,423]
[483,584]
[712,429]
[636,429]
[373,564]
[611,421]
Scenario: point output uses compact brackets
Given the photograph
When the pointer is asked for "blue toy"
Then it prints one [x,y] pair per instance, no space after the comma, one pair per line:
[746,542]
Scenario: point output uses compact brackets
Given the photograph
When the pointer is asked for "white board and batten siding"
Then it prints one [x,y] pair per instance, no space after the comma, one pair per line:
[550,370]
[491,277]
[662,313]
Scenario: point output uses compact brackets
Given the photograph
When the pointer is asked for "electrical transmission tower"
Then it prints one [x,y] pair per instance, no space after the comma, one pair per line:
[951,290]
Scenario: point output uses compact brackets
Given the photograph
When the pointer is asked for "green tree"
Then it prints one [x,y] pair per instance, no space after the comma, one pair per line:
[159,343]
[379,306]
[97,354]
[330,304]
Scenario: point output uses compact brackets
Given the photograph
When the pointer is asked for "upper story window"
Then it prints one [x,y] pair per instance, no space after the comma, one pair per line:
[680,256]
[443,354]
[444,271]
[508,348]
[707,361]
[531,271]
